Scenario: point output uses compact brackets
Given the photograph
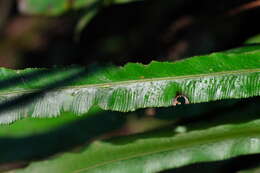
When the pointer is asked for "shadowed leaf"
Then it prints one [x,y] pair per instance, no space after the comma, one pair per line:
[157,151]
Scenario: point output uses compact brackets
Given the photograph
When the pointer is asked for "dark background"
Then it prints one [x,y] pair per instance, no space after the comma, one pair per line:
[141,31]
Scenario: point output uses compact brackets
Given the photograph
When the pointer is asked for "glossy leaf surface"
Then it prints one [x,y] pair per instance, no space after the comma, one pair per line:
[233,74]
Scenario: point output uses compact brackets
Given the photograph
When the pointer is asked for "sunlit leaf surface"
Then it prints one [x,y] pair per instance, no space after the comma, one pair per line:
[233,74]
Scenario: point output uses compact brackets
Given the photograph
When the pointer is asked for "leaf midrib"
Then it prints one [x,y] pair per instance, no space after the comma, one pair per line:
[109,84]
[196,141]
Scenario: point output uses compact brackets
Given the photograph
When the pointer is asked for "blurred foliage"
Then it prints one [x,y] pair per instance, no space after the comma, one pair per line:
[253,40]
[252,170]
[58,7]
[139,31]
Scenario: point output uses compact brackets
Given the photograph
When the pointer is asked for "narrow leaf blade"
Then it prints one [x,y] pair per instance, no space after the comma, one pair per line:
[157,151]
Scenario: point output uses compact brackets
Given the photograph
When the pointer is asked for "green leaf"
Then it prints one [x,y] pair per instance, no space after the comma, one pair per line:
[253,40]
[157,151]
[34,133]
[32,126]
[84,21]
[234,74]
[90,12]
[252,170]
[50,7]
[57,7]
[28,146]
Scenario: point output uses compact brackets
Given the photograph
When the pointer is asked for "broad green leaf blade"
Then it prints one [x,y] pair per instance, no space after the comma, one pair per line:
[201,79]
[157,151]
[57,7]
[18,101]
